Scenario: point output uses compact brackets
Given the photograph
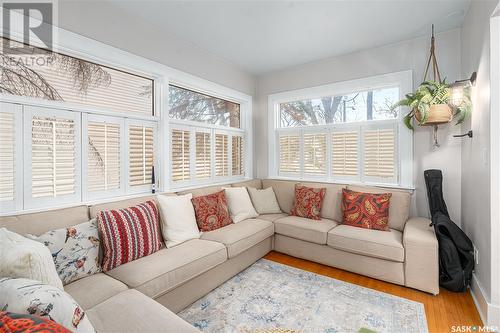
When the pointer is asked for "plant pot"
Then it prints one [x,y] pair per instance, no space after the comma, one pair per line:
[438,114]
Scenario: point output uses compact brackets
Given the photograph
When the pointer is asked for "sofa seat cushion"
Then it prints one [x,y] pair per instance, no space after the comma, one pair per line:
[166,269]
[131,311]
[94,289]
[374,243]
[272,217]
[241,236]
[314,231]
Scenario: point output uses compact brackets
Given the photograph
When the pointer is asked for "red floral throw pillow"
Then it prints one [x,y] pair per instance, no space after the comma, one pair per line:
[211,211]
[366,210]
[14,322]
[308,201]
[129,234]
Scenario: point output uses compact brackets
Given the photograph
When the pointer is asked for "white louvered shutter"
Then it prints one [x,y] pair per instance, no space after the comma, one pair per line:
[315,153]
[103,160]
[141,154]
[203,157]
[237,158]
[345,147]
[289,147]
[180,155]
[379,153]
[53,157]
[7,156]
[221,155]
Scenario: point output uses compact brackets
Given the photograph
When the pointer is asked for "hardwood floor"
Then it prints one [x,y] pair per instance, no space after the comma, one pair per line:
[442,311]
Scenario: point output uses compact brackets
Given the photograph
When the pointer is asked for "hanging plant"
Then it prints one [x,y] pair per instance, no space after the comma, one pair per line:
[433,102]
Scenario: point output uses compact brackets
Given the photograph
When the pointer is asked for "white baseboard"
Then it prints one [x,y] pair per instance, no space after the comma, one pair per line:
[489,313]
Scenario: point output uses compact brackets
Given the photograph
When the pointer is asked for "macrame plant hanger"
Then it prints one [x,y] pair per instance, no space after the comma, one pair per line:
[437,77]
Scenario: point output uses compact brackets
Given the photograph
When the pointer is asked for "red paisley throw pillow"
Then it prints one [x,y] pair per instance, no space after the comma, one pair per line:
[308,201]
[366,210]
[14,322]
[211,211]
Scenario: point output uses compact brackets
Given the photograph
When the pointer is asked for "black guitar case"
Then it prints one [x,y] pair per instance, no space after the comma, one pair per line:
[456,258]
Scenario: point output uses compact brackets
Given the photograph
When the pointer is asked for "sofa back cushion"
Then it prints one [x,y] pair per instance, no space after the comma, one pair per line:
[201,191]
[332,203]
[399,209]
[254,183]
[95,209]
[284,190]
[39,223]
[129,234]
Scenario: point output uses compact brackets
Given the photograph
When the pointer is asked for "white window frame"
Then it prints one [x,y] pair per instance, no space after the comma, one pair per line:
[17,203]
[404,137]
[72,44]
[87,195]
[29,201]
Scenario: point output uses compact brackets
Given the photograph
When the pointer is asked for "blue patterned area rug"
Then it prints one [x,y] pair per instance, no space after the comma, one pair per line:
[271,295]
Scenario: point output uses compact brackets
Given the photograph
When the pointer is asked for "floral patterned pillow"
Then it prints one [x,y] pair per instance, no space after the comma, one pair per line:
[75,250]
[366,210]
[34,298]
[308,201]
[211,211]
[15,322]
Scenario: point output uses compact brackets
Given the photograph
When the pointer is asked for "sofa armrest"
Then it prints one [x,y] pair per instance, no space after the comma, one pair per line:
[421,255]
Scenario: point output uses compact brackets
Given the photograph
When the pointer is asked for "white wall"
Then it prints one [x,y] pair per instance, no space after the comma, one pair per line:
[96,20]
[411,54]
[476,180]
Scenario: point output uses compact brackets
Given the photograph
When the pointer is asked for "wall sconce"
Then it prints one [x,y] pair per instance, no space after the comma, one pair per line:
[460,88]
[460,93]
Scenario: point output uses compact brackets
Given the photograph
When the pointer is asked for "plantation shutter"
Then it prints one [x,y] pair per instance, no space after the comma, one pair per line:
[103,156]
[180,155]
[345,153]
[289,146]
[379,153]
[53,156]
[141,154]
[203,157]
[315,153]
[221,155]
[7,156]
[237,158]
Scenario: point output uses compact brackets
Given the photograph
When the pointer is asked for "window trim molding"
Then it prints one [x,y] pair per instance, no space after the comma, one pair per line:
[404,144]
[73,44]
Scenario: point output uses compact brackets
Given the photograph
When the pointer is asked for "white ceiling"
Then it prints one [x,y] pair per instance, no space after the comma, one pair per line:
[263,36]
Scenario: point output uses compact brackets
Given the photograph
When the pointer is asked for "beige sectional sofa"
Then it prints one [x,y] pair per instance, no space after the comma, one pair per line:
[149,291]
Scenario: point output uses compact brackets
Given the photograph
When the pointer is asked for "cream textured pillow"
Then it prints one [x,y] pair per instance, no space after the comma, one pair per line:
[178,222]
[240,205]
[21,257]
[264,201]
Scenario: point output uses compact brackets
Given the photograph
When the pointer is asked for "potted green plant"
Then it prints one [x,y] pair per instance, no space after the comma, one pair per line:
[433,104]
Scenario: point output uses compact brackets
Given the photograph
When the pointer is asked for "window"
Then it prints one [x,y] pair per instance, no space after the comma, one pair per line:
[180,155]
[58,77]
[343,132]
[186,104]
[203,156]
[221,155]
[104,155]
[141,155]
[53,156]
[207,144]
[238,166]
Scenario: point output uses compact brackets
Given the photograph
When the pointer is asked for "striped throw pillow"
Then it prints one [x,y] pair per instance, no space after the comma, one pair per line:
[129,234]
